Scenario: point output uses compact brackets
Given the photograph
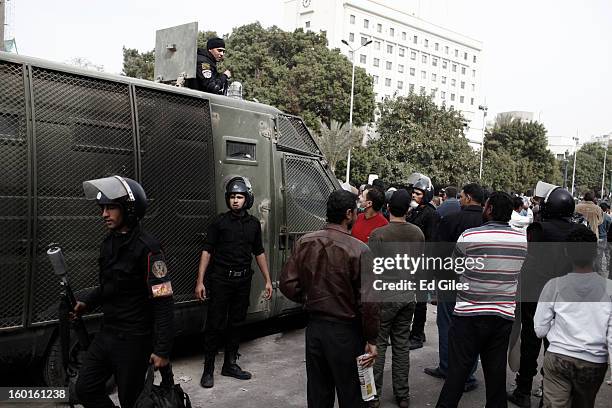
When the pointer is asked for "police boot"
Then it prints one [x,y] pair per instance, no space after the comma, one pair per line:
[231,369]
[521,396]
[207,380]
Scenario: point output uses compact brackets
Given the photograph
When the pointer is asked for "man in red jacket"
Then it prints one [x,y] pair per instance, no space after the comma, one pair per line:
[371,218]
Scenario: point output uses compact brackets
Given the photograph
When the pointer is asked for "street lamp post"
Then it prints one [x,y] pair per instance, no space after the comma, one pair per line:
[565,161]
[484,109]
[575,139]
[350,130]
[603,174]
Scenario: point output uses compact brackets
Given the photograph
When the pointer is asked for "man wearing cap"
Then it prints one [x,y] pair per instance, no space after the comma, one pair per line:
[207,77]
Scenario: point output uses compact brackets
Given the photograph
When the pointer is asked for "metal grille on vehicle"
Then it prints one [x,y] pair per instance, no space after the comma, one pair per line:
[178,175]
[13,195]
[294,136]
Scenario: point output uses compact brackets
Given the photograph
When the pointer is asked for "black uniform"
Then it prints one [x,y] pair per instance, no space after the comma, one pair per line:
[232,240]
[207,78]
[136,297]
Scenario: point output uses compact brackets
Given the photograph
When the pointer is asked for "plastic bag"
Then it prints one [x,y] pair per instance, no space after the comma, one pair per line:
[165,395]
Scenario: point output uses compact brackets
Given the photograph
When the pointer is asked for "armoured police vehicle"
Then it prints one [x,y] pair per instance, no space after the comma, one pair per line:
[60,125]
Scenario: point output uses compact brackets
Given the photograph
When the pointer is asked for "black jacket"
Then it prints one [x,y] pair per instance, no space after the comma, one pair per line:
[135,290]
[208,79]
[426,218]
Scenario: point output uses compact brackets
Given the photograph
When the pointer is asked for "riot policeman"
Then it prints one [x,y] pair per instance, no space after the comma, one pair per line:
[135,293]
[232,239]
[543,262]
[208,79]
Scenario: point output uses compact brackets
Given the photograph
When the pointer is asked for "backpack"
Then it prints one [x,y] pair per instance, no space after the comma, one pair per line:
[165,395]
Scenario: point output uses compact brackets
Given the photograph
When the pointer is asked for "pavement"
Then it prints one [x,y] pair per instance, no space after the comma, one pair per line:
[279,374]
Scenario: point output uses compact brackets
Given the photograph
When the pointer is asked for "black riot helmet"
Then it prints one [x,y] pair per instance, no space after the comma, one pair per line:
[123,191]
[421,182]
[556,202]
[239,185]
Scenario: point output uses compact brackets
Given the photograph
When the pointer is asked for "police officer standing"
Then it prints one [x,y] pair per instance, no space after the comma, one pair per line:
[207,78]
[232,238]
[135,293]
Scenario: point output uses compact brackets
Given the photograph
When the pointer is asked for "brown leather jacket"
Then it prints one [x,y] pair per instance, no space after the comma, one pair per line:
[324,273]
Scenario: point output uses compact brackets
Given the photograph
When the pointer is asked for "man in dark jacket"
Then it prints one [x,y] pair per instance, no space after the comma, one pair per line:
[422,214]
[341,326]
[207,78]
[449,230]
[451,204]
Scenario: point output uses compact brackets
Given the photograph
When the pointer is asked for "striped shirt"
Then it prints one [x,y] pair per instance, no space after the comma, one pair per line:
[489,286]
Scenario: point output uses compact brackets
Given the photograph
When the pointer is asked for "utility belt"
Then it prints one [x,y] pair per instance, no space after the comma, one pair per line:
[232,272]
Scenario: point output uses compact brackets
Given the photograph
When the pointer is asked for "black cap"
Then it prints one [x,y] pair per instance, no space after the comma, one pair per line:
[400,200]
[215,43]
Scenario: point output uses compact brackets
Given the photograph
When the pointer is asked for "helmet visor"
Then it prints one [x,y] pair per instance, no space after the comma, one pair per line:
[542,189]
[112,187]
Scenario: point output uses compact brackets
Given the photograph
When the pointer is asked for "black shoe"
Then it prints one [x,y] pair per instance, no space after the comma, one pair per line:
[207,380]
[231,369]
[470,385]
[415,343]
[434,372]
[519,398]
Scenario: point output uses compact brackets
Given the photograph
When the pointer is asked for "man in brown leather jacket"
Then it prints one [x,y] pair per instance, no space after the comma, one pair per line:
[325,273]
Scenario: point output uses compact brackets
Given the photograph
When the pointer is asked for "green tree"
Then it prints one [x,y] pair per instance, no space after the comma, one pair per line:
[137,64]
[334,141]
[417,135]
[589,169]
[516,156]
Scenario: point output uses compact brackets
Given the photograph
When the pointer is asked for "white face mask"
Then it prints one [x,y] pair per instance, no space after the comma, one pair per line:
[414,204]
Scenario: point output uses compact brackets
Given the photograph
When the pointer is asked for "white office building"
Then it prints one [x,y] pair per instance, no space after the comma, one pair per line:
[407,54]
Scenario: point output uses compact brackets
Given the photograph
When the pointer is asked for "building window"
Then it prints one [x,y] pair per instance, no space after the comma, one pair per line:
[362,59]
[410,88]
[379,28]
[423,75]
[472,101]
[389,65]
[454,67]
[434,77]
[473,73]
[426,43]
[412,55]
[452,97]
[363,40]
[462,85]
[473,87]
[442,94]
[456,52]
[401,52]
[462,70]
[453,82]
[351,37]
[389,49]
[376,62]
[474,59]
[375,77]
[352,19]
[443,79]
[446,49]
[400,68]
[433,92]
[307,24]
[436,46]
[434,62]
[412,71]
[387,81]
[351,55]
[400,84]
[422,90]
[424,59]
[366,23]
[444,64]
[465,56]
[392,32]
[377,45]
[461,99]
[404,35]
[415,39]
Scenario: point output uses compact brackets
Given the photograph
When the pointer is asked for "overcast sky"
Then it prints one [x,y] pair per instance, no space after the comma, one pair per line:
[552,57]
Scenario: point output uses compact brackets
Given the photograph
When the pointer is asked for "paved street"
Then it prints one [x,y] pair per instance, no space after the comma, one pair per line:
[279,375]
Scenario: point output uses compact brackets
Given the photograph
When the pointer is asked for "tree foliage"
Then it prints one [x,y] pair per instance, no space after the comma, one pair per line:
[137,64]
[417,135]
[334,141]
[516,156]
[589,169]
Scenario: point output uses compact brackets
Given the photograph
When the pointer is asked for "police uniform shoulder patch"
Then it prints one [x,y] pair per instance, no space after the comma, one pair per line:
[205,65]
[207,73]
[157,276]
[159,269]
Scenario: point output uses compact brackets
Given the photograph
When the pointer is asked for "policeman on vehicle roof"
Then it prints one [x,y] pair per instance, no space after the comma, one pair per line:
[135,293]
[207,78]
[232,238]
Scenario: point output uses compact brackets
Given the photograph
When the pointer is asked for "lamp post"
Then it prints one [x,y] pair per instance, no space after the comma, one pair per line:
[575,139]
[348,158]
[484,109]
[565,161]
[603,173]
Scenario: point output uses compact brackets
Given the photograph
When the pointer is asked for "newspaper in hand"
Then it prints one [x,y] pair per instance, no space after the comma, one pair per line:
[366,379]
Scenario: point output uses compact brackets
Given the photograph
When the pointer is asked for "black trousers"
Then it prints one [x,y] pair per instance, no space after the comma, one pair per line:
[127,357]
[227,307]
[468,337]
[530,348]
[420,316]
[332,349]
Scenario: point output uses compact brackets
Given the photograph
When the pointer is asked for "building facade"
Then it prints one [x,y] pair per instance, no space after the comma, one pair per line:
[407,54]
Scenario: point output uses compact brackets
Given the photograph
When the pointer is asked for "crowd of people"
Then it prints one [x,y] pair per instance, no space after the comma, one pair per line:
[555,294]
